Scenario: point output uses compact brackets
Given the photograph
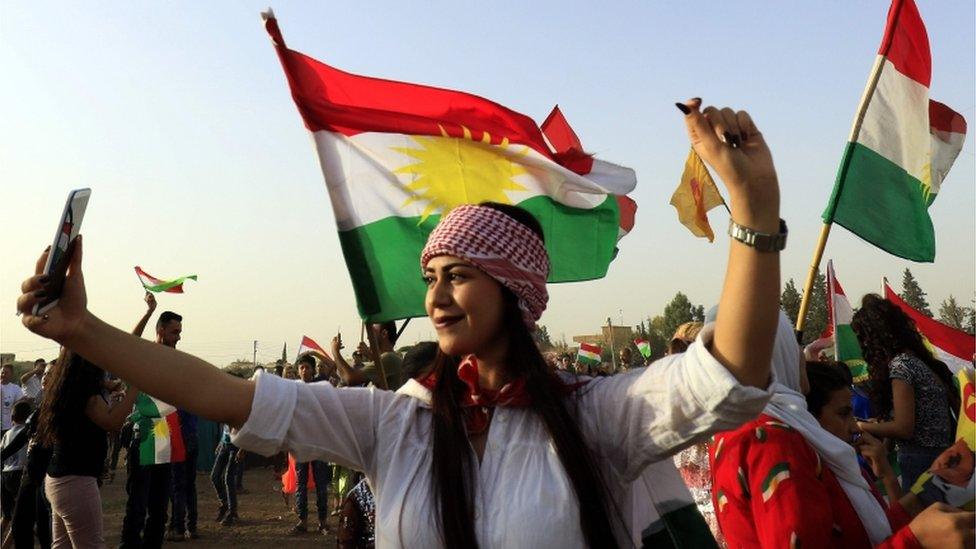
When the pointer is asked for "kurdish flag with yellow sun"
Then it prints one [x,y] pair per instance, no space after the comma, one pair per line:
[396,156]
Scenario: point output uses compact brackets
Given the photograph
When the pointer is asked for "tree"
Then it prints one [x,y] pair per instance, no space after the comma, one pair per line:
[542,339]
[656,338]
[679,311]
[913,295]
[816,319]
[970,320]
[952,314]
[789,301]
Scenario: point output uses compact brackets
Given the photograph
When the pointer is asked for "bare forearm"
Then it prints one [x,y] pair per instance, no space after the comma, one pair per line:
[749,307]
[889,429]
[348,374]
[141,325]
[175,377]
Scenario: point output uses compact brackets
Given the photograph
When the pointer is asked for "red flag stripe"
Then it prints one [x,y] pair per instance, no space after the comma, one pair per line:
[955,342]
[905,42]
[338,101]
[177,448]
[944,119]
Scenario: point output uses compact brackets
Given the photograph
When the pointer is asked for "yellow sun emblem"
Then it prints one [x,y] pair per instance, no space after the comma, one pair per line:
[451,171]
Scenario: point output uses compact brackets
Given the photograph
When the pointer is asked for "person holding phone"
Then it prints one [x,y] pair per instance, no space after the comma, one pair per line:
[554,469]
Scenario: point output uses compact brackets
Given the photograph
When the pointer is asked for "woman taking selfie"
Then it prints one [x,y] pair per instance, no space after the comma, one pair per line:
[493,449]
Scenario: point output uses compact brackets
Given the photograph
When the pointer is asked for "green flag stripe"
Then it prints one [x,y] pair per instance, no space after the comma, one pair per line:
[880,202]
[383,257]
[163,286]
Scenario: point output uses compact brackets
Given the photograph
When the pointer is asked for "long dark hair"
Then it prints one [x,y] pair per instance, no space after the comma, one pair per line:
[885,331]
[70,384]
[453,467]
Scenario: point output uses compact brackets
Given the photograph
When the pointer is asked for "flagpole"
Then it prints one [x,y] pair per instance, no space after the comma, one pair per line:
[832,206]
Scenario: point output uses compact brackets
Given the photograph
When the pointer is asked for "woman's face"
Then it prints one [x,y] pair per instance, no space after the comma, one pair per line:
[465,305]
[837,416]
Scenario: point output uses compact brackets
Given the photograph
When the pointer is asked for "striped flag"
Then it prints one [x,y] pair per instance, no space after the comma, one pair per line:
[898,154]
[160,434]
[309,344]
[643,346]
[589,355]
[839,314]
[153,284]
[396,156]
[952,346]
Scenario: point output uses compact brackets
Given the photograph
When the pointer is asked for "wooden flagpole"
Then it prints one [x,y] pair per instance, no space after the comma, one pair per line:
[831,208]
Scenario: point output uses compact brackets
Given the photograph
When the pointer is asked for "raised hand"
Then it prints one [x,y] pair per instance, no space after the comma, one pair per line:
[733,146]
[63,321]
[150,302]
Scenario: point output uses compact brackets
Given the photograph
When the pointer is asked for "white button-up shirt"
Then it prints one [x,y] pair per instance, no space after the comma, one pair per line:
[522,497]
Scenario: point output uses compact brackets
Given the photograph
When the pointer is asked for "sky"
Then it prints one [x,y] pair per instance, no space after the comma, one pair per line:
[178,116]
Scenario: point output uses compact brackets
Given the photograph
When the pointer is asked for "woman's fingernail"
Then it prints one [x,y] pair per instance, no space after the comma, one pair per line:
[683,108]
[726,138]
[48,249]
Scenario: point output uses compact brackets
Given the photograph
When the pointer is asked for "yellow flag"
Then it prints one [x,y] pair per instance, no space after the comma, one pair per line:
[966,429]
[695,195]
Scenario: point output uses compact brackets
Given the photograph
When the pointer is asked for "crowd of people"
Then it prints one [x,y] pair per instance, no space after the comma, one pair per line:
[478,440]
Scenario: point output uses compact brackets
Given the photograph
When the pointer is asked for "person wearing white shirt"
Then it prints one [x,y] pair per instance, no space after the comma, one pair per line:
[493,449]
[10,393]
[31,381]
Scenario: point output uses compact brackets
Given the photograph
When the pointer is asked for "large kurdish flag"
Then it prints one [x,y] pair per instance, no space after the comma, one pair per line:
[954,347]
[160,434]
[846,347]
[896,156]
[395,156]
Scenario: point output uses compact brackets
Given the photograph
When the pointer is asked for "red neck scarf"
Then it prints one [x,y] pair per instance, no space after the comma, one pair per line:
[477,402]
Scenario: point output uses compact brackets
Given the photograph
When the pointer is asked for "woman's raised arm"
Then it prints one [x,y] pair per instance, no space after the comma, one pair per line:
[747,315]
[170,375]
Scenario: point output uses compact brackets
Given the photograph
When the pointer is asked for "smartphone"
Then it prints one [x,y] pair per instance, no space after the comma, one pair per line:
[63,247]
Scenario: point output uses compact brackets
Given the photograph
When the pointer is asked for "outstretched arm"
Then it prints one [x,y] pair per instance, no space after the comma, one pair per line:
[150,307]
[731,143]
[157,369]
[349,375]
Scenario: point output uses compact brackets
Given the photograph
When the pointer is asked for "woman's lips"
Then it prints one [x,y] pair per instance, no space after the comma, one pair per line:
[446,321]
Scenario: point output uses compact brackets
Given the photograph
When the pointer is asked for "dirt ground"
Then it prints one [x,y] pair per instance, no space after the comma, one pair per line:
[265,518]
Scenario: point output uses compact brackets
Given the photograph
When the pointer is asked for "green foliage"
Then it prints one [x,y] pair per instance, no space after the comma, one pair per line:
[952,314]
[816,319]
[789,301]
[913,295]
[679,311]
[542,339]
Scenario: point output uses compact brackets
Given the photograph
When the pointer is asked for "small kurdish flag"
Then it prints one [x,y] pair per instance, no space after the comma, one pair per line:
[153,284]
[160,434]
[589,355]
[779,473]
[695,195]
[723,500]
[900,151]
[396,156]
[309,344]
[839,315]
[643,346]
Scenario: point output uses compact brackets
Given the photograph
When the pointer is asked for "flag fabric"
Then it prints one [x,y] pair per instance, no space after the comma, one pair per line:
[643,346]
[951,478]
[396,156]
[839,315]
[948,133]
[160,434]
[153,284]
[589,355]
[952,346]
[695,195]
[308,344]
[885,182]
[663,510]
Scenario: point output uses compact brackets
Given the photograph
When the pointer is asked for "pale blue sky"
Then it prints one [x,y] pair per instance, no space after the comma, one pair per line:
[179,118]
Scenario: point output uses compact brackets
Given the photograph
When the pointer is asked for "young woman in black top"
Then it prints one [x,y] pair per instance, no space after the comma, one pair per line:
[74,421]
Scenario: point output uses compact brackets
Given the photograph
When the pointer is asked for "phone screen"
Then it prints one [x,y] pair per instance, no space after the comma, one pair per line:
[63,246]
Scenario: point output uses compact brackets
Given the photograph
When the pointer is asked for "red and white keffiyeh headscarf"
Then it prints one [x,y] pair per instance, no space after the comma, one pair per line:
[503,248]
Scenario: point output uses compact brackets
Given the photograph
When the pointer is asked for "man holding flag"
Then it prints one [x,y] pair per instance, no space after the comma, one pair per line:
[157,444]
